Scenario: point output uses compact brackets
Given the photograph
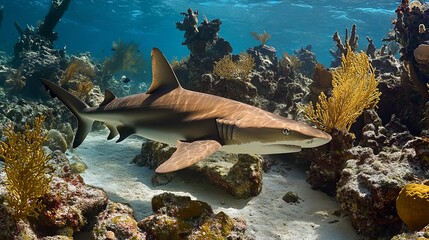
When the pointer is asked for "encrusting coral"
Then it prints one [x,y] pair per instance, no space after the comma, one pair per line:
[354,90]
[412,205]
[228,69]
[27,169]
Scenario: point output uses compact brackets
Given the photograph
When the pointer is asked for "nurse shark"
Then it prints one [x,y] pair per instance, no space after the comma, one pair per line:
[198,124]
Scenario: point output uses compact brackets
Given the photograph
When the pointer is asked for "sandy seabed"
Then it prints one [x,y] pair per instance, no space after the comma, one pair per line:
[267,215]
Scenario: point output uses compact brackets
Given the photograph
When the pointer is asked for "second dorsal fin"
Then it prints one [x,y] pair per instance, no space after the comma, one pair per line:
[163,76]
[108,97]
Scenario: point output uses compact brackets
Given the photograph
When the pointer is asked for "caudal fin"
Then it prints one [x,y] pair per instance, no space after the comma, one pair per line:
[76,106]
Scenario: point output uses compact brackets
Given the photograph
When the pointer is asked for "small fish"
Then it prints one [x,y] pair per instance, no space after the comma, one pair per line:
[125,79]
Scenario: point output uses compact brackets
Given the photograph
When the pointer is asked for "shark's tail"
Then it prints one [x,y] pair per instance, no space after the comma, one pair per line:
[76,106]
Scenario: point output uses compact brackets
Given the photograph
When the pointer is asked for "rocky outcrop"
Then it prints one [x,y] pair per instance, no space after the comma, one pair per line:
[117,222]
[177,217]
[238,174]
[203,41]
[370,182]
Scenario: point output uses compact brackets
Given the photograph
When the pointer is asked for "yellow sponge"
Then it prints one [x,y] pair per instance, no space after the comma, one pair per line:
[412,205]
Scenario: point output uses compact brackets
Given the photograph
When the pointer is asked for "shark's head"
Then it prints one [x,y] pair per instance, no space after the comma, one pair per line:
[270,134]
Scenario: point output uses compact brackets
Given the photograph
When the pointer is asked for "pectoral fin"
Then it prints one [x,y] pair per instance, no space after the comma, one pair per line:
[187,154]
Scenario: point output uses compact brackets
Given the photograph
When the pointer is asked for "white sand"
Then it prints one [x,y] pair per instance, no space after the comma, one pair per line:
[267,215]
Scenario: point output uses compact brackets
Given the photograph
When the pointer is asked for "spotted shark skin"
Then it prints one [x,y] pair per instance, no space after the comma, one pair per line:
[198,124]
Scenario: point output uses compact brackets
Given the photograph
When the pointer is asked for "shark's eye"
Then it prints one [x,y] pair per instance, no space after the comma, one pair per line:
[286,131]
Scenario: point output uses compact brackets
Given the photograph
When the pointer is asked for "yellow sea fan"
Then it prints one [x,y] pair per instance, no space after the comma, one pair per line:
[228,69]
[354,90]
[27,169]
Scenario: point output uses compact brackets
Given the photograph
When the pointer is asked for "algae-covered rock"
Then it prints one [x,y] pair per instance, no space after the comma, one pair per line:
[238,174]
[423,234]
[179,217]
[78,167]
[216,227]
[412,205]
[56,141]
[179,206]
[117,222]
[291,197]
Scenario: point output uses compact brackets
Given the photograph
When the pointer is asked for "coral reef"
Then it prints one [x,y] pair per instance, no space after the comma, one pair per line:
[354,89]
[204,43]
[179,217]
[412,205]
[307,61]
[408,33]
[204,38]
[372,179]
[34,55]
[69,205]
[238,174]
[265,59]
[27,169]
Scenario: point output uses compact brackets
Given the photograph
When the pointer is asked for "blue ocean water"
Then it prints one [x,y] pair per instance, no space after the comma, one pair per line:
[92,25]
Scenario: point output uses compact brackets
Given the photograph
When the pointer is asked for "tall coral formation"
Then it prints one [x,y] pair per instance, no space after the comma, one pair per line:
[342,49]
[227,68]
[354,90]
[27,169]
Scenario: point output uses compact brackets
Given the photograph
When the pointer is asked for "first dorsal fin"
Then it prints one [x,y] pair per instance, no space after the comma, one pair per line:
[163,76]
[108,97]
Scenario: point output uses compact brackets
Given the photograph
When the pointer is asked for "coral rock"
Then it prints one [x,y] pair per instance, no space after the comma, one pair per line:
[420,235]
[265,57]
[238,174]
[117,222]
[178,217]
[370,184]
[56,141]
[412,205]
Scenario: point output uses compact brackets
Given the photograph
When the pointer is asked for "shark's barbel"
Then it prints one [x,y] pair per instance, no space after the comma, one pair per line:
[197,124]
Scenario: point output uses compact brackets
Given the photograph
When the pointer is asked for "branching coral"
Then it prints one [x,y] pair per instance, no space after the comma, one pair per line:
[26,167]
[78,77]
[228,69]
[126,57]
[261,37]
[354,89]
